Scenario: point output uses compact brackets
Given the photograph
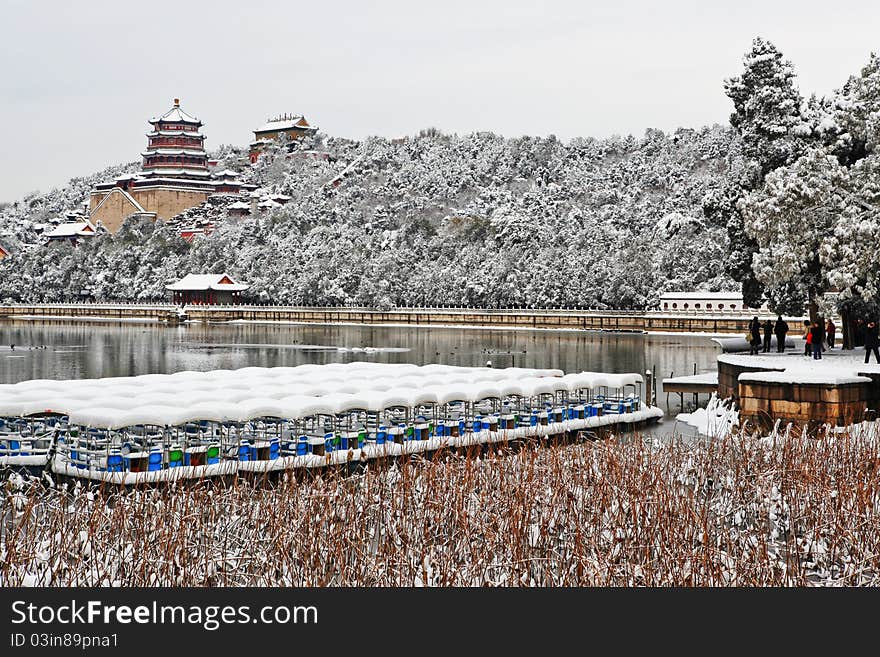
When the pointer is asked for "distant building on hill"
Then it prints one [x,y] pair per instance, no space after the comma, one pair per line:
[175,175]
[294,126]
[239,209]
[704,301]
[72,232]
[189,233]
[206,289]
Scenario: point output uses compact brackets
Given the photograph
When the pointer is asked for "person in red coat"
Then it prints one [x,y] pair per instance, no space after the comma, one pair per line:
[830,330]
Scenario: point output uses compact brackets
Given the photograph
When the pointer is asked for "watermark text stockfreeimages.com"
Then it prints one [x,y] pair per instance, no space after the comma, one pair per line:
[209,617]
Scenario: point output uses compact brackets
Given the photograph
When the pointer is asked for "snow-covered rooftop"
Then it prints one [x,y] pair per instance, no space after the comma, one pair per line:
[723,296]
[176,133]
[176,115]
[73,229]
[161,150]
[219,282]
[293,123]
[175,171]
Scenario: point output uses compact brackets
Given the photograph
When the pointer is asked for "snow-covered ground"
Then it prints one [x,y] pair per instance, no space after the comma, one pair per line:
[835,367]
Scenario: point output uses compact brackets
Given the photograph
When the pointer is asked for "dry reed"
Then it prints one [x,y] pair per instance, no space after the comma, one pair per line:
[745,511]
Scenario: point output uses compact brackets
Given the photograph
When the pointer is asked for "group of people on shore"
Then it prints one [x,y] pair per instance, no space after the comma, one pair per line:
[769,329]
[817,337]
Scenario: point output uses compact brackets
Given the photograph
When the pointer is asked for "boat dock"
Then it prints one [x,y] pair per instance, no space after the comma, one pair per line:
[695,384]
[192,425]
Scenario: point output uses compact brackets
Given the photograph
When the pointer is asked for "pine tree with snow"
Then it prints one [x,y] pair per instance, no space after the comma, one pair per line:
[768,117]
[768,110]
[850,121]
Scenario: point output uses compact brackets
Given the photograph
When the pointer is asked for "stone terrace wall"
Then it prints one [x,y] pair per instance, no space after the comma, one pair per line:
[728,378]
[764,402]
[805,403]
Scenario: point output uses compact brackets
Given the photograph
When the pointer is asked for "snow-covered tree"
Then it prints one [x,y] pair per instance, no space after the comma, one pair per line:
[768,109]
[436,220]
[793,220]
[768,117]
[852,257]
[815,220]
[850,120]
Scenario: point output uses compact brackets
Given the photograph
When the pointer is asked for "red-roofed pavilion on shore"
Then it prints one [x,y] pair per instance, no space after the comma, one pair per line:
[202,289]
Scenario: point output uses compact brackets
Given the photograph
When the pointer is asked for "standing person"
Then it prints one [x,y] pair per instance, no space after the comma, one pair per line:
[768,335]
[808,347]
[872,340]
[754,335]
[780,330]
[859,333]
[816,338]
[830,330]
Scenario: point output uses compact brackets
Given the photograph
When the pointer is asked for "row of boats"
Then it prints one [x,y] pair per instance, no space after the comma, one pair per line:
[199,424]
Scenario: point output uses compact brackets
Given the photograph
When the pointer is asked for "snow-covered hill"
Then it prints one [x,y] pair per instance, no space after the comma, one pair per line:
[435,219]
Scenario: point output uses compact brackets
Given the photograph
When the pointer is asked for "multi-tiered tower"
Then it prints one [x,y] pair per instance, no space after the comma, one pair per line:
[175,175]
[176,147]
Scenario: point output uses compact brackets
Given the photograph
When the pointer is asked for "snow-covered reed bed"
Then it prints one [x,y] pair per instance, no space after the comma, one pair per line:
[744,510]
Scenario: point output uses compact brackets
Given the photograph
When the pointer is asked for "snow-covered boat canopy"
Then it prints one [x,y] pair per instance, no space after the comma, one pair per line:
[283,392]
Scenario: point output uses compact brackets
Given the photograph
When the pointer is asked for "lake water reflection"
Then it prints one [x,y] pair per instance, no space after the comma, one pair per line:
[88,350]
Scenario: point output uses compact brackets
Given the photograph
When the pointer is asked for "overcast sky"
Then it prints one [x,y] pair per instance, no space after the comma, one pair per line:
[80,79]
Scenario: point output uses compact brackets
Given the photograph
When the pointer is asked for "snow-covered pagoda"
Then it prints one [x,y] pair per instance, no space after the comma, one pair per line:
[174,177]
[206,289]
[176,147]
[295,127]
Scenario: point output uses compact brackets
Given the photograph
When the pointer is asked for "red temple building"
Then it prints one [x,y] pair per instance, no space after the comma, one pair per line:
[175,175]
[206,289]
[294,126]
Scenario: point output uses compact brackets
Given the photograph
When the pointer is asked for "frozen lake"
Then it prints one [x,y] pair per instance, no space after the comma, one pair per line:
[67,351]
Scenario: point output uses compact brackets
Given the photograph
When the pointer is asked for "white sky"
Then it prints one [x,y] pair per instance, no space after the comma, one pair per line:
[80,79]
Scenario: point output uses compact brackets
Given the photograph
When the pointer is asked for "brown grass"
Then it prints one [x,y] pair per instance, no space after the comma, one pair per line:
[746,511]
